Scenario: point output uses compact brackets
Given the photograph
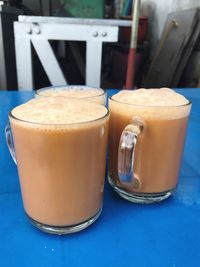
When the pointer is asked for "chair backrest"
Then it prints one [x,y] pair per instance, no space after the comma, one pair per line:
[39,30]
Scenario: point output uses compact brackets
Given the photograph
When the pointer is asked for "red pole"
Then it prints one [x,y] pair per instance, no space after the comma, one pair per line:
[130,75]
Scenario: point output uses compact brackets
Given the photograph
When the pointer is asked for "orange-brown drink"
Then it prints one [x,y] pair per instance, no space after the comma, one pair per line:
[60,153]
[88,93]
[146,140]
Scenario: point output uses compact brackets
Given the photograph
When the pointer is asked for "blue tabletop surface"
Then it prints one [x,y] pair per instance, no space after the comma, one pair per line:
[126,234]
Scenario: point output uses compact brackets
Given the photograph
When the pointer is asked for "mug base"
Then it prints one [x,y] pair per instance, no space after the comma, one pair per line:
[141,198]
[62,230]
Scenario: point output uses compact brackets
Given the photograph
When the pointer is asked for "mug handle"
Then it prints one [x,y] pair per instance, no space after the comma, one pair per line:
[126,152]
[9,141]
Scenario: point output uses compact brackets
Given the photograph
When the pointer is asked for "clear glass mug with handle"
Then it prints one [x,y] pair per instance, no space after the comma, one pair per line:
[145,149]
[60,161]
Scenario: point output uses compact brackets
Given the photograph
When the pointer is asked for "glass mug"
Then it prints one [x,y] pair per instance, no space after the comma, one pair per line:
[145,149]
[61,168]
[91,94]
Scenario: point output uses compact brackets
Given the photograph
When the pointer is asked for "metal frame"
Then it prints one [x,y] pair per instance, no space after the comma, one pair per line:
[38,30]
[3,80]
[7,57]
[102,22]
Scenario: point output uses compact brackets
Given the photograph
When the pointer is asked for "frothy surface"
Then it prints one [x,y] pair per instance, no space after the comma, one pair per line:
[151,97]
[158,104]
[58,111]
[71,91]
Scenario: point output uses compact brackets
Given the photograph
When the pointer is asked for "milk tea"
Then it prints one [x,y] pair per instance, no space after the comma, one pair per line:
[60,150]
[91,94]
[159,147]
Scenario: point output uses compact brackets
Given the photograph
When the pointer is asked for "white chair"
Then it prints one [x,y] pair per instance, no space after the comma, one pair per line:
[39,30]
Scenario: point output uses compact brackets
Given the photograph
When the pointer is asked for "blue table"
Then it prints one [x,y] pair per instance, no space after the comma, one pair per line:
[126,234]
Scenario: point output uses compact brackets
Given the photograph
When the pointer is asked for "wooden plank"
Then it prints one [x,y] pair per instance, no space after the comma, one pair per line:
[186,53]
[176,35]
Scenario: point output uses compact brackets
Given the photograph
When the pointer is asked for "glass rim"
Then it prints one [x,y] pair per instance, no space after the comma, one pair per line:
[10,115]
[102,91]
[148,106]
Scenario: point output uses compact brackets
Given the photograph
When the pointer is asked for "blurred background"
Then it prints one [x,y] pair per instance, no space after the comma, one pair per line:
[167,50]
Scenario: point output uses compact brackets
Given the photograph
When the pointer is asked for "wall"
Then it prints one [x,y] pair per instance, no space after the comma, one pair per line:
[158,10]
[35,5]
